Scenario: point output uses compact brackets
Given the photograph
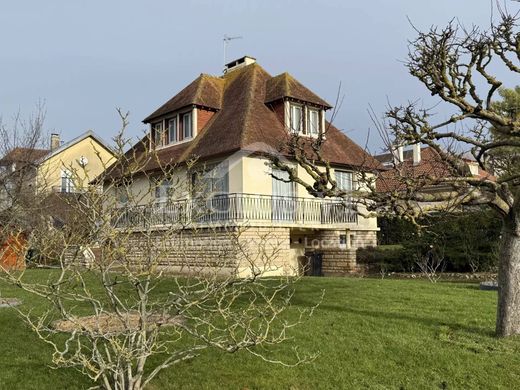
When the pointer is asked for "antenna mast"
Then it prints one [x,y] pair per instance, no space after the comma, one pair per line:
[226,41]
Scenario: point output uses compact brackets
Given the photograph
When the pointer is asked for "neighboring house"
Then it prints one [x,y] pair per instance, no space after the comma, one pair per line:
[232,122]
[421,164]
[62,168]
[50,174]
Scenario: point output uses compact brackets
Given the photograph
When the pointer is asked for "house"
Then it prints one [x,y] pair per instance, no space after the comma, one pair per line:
[231,124]
[63,168]
[422,165]
[35,179]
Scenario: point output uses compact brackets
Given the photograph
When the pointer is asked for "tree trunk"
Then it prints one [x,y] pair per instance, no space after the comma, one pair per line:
[508,311]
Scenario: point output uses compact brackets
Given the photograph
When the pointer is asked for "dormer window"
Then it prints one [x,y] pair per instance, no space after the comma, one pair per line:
[305,120]
[175,128]
[296,118]
[187,126]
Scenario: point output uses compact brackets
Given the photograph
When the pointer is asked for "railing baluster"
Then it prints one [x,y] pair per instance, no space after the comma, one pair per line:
[239,207]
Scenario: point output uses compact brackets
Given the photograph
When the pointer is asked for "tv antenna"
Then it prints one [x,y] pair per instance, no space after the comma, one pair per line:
[226,41]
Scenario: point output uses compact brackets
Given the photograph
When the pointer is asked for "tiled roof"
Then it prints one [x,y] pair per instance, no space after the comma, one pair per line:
[431,168]
[245,122]
[205,91]
[284,85]
[23,155]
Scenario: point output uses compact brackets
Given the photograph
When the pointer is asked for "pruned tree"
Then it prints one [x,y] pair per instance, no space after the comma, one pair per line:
[118,294]
[459,66]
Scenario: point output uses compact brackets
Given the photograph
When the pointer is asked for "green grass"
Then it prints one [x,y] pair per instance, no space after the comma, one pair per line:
[371,334]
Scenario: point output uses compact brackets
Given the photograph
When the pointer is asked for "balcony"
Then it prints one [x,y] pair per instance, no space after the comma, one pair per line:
[238,208]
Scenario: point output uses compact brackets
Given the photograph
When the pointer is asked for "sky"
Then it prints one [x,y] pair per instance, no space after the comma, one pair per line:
[86,58]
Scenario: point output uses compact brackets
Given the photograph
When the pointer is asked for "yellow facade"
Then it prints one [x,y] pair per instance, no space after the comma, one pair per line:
[83,161]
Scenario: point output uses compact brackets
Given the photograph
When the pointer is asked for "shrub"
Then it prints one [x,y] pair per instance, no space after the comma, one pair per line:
[468,240]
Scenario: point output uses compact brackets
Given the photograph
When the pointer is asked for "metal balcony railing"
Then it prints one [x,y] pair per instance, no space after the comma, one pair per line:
[236,208]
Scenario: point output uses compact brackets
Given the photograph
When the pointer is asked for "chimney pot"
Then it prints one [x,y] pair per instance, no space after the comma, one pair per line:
[416,153]
[239,63]
[55,141]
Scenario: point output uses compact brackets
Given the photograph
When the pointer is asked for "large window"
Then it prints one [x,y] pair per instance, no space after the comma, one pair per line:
[163,189]
[187,126]
[211,180]
[344,180]
[296,118]
[313,122]
[173,135]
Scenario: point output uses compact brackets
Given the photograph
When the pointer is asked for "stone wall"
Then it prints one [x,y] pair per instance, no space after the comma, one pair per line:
[339,258]
[214,250]
[339,262]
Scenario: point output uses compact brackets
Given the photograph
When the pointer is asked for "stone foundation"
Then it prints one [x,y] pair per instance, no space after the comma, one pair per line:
[222,251]
[225,251]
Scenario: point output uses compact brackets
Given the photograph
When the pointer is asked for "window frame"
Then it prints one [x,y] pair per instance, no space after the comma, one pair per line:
[316,131]
[163,189]
[352,180]
[176,138]
[158,129]
[206,181]
[292,108]
[67,182]
[185,115]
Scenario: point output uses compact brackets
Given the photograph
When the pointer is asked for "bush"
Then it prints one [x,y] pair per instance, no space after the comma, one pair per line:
[468,240]
[384,258]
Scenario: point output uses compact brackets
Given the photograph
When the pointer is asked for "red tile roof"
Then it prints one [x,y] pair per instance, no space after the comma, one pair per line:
[431,168]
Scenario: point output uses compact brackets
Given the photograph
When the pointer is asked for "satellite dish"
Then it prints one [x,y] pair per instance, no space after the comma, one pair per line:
[83,161]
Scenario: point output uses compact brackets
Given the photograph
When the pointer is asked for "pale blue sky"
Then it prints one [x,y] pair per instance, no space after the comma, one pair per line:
[84,58]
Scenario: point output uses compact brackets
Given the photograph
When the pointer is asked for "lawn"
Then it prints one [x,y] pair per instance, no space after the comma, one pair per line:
[371,333]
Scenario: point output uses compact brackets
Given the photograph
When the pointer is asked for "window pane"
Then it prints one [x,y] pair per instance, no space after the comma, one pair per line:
[296,118]
[158,134]
[212,180]
[163,190]
[172,130]
[344,180]
[67,182]
[314,122]
[187,125]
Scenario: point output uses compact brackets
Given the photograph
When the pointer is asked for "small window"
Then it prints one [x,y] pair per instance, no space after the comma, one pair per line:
[344,180]
[296,118]
[159,135]
[187,126]
[342,240]
[172,131]
[67,181]
[313,122]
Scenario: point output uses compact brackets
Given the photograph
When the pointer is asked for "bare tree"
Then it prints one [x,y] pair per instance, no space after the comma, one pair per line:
[459,66]
[118,294]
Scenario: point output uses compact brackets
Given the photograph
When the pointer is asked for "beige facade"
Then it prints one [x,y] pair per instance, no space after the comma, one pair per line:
[291,236]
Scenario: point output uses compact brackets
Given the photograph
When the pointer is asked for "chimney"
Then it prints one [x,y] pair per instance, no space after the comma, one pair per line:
[416,153]
[55,141]
[398,153]
[240,63]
